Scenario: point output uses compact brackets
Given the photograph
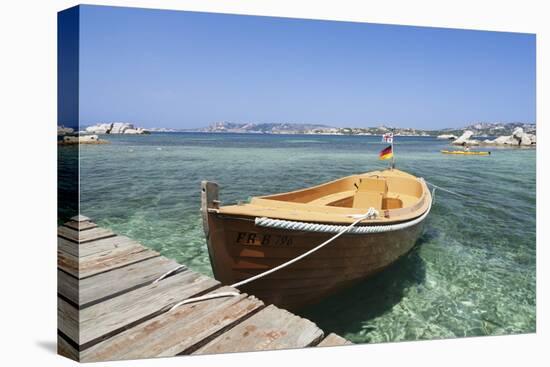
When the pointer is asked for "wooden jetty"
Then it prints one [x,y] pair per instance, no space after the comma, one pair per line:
[111,306]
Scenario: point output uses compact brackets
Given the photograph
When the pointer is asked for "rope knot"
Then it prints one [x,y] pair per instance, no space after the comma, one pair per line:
[371,213]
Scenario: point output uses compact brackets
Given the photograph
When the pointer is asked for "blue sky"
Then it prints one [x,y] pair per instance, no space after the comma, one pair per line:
[159,68]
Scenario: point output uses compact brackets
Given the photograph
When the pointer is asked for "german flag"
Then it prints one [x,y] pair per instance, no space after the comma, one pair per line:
[386,153]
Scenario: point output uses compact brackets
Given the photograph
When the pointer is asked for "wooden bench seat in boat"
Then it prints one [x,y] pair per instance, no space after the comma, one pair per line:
[370,193]
[333,198]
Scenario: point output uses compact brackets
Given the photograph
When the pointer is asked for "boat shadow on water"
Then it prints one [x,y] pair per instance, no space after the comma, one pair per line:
[348,311]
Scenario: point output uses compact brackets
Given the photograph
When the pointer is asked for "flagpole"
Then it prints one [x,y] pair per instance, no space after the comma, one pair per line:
[392,150]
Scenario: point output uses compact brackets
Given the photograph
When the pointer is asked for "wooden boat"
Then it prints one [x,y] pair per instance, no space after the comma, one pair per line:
[247,239]
[464,152]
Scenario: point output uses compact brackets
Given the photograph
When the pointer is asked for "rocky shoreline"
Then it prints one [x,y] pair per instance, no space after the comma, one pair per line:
[85,139]
[517,139]
[116,128]
[447,137]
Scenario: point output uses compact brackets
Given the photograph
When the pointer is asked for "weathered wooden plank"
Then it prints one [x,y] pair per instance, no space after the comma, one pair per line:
[80,226]
[84,236]
[333,340]
[66,350]
[271,328]
[80,218]
[110,260]
[68,320]
[174,332]
[68,233]
[67,262]
[108,318]
[67,246]
[124,279]
[68,286]
[124,315]
[124,253]
[106,244]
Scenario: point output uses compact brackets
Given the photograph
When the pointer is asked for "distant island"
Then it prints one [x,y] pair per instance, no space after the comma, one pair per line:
[479,130]
[482,129]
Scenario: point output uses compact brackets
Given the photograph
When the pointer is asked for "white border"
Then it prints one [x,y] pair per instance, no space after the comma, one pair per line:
[28,179]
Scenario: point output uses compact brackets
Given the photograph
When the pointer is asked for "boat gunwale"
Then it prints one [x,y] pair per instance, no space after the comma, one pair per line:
[365,223]
[337,215]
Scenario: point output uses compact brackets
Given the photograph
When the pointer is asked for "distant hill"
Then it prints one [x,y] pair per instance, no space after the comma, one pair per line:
[267,128]
[480,129]
[298,128]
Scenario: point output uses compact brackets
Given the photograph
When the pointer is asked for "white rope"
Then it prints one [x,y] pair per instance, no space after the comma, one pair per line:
[343,230]
[169,272]
[204,298]
[446,190]
[290,262]
[372,213]
[272,270]
[334,228]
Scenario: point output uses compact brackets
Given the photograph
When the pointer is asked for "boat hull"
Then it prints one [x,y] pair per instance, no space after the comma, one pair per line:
[239,250]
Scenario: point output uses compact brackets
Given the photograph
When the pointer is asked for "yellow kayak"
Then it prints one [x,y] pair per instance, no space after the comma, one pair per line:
[464,152]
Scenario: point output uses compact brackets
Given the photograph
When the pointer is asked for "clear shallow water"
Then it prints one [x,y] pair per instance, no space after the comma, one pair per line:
[472,272]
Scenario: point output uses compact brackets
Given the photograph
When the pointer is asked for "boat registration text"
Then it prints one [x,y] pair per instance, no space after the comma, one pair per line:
[257,239]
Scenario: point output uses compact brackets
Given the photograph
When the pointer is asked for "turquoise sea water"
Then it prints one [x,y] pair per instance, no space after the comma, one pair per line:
[472,272]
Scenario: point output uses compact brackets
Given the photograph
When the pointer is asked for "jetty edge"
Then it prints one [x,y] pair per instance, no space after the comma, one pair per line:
[115,298]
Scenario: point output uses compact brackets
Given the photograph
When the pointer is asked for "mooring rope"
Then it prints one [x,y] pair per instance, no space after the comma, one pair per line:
[446,190]
[342,230]
[318,247]
[169,272]
[315,227]
[204,298]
